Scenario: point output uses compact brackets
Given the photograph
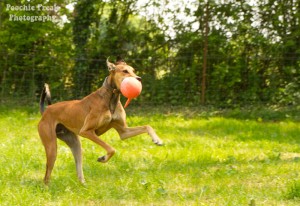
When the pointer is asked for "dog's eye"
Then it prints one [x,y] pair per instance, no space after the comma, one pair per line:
[125,71]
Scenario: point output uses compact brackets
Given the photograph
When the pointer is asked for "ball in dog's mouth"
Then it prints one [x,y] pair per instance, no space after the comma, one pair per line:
[130,88]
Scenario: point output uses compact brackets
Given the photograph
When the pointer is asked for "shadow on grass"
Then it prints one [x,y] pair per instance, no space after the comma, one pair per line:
[240,130]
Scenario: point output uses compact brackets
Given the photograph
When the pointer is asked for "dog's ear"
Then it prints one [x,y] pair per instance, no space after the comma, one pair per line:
[120,60]
[111,66]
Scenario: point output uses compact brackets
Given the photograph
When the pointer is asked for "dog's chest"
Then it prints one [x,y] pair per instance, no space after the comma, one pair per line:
[103,124]
[106,122]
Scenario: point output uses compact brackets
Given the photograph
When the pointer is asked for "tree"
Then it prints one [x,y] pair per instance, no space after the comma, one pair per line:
[205,51]
[32,52]
[84,16]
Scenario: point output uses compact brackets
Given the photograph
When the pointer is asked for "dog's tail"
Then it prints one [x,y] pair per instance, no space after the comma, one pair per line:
[45,95]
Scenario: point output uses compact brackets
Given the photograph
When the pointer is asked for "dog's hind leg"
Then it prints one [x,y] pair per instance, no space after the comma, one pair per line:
[48,138]
[73,141]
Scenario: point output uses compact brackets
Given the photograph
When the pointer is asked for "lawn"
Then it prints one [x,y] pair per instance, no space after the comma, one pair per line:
[210,157]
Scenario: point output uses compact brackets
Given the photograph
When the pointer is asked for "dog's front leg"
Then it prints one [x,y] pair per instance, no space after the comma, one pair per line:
[90,134]
[127,132]
[88,131]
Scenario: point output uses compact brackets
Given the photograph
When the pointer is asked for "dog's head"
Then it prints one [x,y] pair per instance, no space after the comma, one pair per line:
[120,70]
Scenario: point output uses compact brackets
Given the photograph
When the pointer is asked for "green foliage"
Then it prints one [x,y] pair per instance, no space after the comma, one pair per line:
[83,18]
[32,52]
[253,50]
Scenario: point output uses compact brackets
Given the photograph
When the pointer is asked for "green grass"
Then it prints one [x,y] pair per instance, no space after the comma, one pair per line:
[210,157]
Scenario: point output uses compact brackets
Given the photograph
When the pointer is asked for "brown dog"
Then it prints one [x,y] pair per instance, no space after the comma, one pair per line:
[89,117]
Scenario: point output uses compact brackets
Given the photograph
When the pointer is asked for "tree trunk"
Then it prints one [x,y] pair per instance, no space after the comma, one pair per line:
[205,51]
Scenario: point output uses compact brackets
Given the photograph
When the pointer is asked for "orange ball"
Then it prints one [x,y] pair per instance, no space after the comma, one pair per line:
[131,87]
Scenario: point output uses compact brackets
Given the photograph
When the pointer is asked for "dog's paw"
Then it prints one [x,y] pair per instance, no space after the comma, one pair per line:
[158,143]
[102,159]
[82,181]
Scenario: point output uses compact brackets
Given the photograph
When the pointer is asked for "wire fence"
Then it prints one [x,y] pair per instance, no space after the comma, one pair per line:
[18,80]
[22,76]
